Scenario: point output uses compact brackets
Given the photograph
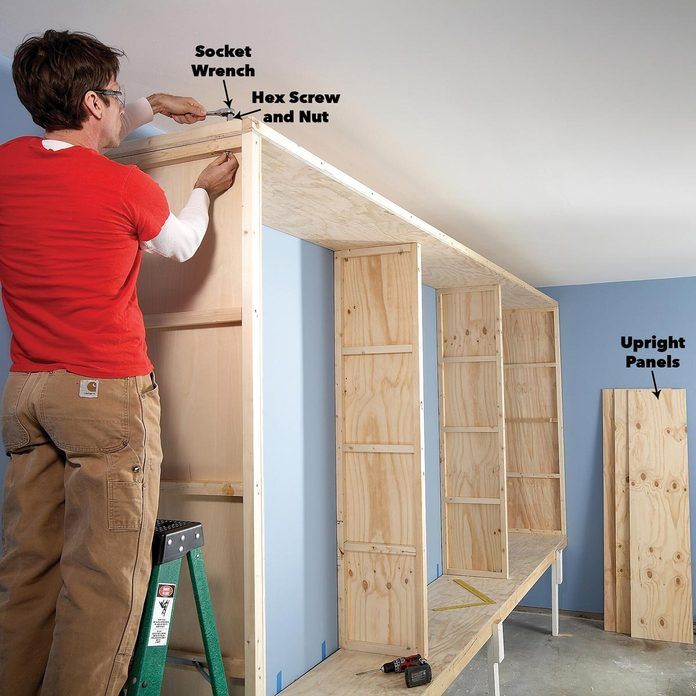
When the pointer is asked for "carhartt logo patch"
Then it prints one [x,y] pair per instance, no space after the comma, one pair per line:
[89,388]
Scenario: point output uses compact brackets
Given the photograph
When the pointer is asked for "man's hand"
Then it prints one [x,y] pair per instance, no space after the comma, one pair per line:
[181,109]
[219,175]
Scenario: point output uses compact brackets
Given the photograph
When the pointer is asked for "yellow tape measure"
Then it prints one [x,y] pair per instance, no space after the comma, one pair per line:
[485,599]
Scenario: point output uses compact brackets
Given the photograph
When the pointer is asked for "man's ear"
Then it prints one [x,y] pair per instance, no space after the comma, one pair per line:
[93,105]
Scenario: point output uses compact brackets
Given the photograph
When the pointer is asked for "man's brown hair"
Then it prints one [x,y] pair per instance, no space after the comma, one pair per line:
[52,73]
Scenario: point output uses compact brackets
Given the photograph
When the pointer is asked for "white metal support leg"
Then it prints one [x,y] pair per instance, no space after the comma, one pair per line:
[556,580]
[496,653]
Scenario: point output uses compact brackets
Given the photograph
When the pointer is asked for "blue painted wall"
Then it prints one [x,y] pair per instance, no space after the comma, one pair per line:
[433,526]
[593,319]
[299,456]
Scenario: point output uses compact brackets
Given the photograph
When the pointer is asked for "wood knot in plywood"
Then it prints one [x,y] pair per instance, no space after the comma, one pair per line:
[365,585]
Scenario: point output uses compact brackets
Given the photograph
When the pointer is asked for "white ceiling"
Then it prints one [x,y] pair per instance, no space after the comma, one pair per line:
[557,138]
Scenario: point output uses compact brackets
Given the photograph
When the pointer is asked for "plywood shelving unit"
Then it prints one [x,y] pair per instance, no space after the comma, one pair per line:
[379,450]
[503,492]
[534,421]
[472,432]
[203,333]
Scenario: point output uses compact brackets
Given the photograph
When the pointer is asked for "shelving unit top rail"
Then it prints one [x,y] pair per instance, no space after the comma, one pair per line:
[306,197]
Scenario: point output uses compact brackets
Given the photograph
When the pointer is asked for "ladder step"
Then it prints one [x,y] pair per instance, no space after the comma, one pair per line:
[201,667]
[174,539]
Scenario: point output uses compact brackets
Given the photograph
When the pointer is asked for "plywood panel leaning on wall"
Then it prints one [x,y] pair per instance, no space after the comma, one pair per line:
[472,431]
[533,421]
[647,552]
[622,561]
[193,315]
[609,515]
[617,551]
[661,601]
[379,451]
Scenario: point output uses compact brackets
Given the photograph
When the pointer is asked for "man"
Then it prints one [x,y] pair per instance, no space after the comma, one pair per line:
[81,408]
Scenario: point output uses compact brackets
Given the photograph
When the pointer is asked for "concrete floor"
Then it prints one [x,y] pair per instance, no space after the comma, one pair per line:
[584,659]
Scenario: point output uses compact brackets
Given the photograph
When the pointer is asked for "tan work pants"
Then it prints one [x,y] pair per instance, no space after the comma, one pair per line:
[80,503]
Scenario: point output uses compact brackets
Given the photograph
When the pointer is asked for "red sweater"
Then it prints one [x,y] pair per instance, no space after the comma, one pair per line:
[70,225]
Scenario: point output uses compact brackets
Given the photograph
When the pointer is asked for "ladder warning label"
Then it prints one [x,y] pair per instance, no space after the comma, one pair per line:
[161,614]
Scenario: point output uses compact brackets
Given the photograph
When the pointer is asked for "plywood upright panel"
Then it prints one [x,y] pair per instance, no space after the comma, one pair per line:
[199,317]
[622,563]
[254,601]
[472,433]
[192,313]
[533,420]
[661,601]
[609,510]
[379,451]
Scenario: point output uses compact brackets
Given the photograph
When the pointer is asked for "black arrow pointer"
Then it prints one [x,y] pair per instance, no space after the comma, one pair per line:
[657,391]
[246,113]
[227,101]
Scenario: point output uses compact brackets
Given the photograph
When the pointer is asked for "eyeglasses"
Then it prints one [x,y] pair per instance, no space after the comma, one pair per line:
[119,94]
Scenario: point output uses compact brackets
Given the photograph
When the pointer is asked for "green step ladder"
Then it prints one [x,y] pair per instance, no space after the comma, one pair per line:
[174,539]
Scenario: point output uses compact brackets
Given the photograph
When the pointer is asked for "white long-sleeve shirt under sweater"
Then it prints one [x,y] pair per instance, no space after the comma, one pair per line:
[180,236]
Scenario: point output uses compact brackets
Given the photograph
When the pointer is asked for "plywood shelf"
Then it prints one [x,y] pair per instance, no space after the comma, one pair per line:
[308,198]
[531,364]
[192,320]
[222,489]
[454,636]
[531,420]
